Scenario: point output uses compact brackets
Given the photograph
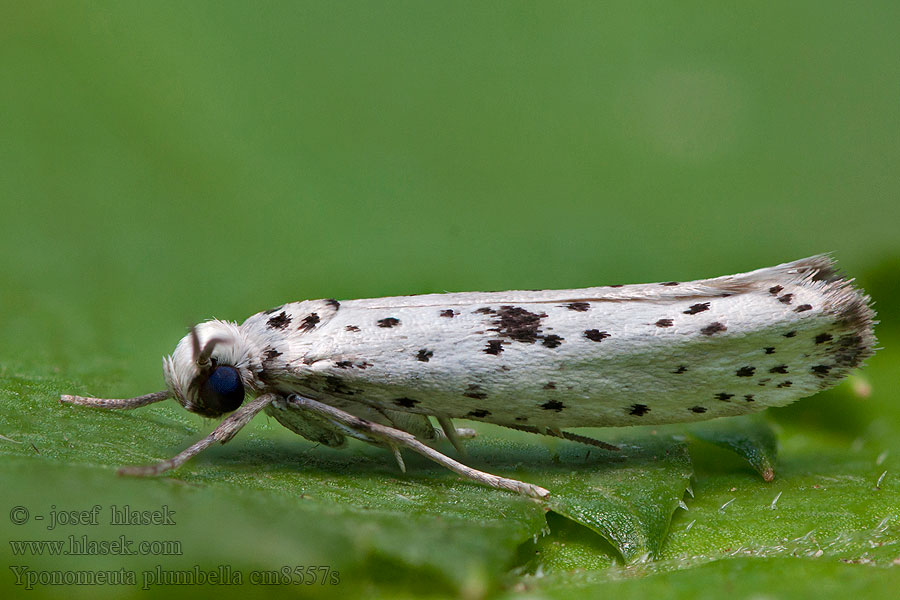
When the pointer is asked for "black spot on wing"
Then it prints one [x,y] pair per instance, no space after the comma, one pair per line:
[638,410]
[479,414]
[775,289]
[790,334]
[849,351]
[309,321]
[279,321]
[595,335]
[553,405]
[785,384]
[724,396]
[343,364]
[745,371]
[424,355]
[749,397]
[449,313]
[697,308]
[388,322]
[698,409]
[786,299]
[273,310]
[681,369]
[352,328]
[668,284]
[824,337]
[484,310]
[518,324]
[713,328]
[803,308]
[552,341]
[550,385]
[664,323]
[770,350]
[779,369]
[578,306]
[821,370]
[333,303]
[406,402]
[494,347]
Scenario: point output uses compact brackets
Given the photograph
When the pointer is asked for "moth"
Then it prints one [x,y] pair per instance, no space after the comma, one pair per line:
[396,371]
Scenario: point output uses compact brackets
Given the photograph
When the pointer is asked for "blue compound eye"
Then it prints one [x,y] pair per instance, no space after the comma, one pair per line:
[223,390]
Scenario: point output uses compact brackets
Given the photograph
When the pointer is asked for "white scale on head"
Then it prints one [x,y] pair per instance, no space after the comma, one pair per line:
[380,369]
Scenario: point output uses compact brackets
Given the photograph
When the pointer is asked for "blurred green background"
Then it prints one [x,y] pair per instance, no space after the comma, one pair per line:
[166,162]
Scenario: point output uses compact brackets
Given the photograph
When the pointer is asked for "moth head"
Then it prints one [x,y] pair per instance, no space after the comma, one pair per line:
[208,371]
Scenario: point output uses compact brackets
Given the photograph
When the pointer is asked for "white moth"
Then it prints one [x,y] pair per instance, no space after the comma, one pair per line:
[379,369]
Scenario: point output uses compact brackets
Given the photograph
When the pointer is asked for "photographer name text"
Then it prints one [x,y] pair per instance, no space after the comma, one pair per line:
[114,514]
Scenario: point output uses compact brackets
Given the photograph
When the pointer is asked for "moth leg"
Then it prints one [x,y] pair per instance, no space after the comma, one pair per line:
[466,433]
[399,458]
[395,438]
[224,432]
[416,424]
[451,433]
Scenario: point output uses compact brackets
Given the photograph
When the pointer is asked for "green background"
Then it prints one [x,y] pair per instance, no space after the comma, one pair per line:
[166,162]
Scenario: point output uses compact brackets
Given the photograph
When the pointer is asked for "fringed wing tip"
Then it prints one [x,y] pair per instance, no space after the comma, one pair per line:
[850,305]
[819,267]
[853,309]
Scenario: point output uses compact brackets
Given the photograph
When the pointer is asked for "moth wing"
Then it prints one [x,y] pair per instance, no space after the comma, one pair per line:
[637,354]
[814,268]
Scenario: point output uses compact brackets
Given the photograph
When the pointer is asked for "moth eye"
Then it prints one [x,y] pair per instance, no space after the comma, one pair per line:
[223,390]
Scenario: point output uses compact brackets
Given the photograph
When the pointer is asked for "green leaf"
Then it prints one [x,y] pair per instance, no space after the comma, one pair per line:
[751,437]
[742,577]
[629,499]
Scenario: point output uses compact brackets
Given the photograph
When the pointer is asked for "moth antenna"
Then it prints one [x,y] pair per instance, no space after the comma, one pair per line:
[195,342]
[121,403]
[201,357]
